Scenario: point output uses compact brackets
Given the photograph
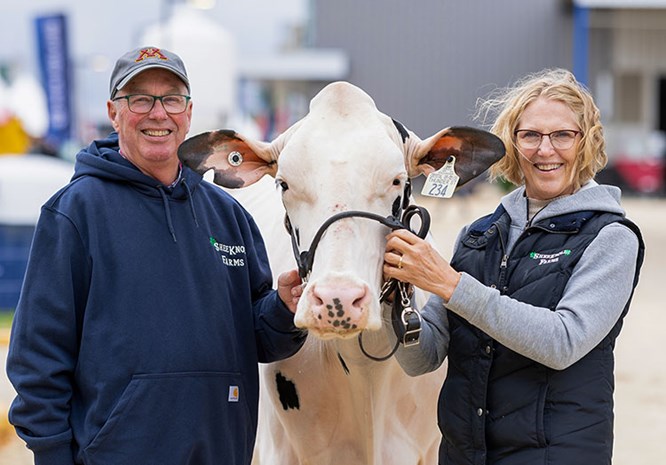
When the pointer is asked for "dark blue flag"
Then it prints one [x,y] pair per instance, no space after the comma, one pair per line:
[55,73]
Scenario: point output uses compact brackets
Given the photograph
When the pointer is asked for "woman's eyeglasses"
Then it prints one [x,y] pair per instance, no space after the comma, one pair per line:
[561,140]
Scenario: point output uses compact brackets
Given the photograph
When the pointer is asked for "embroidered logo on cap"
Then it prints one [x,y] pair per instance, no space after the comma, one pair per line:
[150,53]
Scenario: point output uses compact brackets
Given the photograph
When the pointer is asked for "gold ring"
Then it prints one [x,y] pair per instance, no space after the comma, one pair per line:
[400,263]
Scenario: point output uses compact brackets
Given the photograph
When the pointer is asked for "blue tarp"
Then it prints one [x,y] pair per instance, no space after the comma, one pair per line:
[15,243]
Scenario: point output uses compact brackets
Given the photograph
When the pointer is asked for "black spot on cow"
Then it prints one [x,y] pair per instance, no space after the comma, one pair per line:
[402,130]
[395,209]
[339,307]
[287,391]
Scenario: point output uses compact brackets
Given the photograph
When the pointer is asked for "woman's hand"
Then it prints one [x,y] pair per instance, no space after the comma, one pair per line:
[409,258]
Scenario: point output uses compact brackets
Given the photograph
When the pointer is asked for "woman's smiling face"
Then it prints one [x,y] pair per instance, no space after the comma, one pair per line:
[548,172]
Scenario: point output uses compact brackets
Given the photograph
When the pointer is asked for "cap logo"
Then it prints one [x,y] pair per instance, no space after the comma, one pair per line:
[147,53]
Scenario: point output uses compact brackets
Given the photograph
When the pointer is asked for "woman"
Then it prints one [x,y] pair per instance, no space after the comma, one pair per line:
[530,306]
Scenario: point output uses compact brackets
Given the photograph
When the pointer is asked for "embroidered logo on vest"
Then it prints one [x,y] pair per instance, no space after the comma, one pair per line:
[545,259]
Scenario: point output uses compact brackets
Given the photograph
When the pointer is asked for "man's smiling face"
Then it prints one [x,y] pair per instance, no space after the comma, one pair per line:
[150,141]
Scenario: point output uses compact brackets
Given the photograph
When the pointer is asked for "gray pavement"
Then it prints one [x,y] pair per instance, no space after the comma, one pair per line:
[7,392]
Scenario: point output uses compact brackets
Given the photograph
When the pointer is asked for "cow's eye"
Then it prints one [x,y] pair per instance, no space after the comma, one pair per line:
[396,182]
[282,185]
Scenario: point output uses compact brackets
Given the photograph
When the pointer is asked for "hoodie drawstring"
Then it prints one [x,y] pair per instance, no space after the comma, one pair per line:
[189,198]
[167,212]
[167,209]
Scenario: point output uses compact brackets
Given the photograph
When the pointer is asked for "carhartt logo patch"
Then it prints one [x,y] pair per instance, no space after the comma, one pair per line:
[545,259]
[233,394]
[232,255]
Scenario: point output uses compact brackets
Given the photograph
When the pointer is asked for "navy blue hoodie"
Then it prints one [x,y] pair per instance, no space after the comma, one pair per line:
[142,317]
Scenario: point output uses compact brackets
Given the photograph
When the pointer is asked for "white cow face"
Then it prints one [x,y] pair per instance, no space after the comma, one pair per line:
[335,164]
[344,155]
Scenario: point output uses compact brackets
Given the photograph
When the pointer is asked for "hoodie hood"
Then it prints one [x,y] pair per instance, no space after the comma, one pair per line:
[590,197]
[102,159]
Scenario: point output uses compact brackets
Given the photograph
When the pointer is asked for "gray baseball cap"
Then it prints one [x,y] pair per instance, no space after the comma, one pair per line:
[141,59]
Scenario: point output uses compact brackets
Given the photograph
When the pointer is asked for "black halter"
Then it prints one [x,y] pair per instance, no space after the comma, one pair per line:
[305,259]
[406,321]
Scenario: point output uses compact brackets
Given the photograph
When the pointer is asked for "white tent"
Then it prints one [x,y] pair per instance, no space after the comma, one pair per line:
[209,53]
[26,182]
[25,99]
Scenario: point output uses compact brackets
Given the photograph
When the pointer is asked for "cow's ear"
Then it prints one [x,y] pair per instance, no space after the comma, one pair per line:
[237,161]
[475,151]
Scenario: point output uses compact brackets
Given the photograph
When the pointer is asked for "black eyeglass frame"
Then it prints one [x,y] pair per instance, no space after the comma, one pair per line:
[155,98]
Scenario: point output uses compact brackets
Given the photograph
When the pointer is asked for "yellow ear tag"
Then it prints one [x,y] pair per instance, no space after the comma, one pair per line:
[442,183]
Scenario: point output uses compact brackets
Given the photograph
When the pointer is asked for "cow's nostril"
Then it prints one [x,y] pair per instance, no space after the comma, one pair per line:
[360,301]
[317,300]
[340,305]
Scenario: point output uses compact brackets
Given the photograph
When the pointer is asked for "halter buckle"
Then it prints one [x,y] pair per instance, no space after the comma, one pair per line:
[411,319]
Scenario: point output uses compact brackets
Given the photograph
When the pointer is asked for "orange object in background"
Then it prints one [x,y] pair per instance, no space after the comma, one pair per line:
[13,138]
[6,430]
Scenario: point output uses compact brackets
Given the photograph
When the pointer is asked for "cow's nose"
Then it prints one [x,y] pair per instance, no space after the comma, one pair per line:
[340,308]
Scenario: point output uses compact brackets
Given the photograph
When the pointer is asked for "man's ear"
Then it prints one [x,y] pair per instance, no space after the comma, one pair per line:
[112,112]
[189,115]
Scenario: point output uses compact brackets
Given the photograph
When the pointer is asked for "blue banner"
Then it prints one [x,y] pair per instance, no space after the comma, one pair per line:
[581,43]
[55,73]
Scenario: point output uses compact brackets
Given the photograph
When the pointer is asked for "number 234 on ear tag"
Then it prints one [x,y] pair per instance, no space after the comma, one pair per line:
[443,182]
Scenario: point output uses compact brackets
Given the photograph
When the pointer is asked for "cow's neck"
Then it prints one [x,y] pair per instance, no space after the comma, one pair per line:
[376,343]
[368,389]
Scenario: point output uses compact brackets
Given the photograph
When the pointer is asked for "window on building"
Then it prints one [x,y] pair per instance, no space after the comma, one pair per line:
[662,104]
[628,98]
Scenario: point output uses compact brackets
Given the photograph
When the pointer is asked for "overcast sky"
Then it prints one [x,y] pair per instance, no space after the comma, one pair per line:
[112,27]
[100,31]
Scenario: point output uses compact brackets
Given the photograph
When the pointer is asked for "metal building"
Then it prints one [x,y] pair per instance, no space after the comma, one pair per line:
[426,63]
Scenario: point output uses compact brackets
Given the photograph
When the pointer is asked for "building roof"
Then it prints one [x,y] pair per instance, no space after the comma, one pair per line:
[298,65]
[621,3]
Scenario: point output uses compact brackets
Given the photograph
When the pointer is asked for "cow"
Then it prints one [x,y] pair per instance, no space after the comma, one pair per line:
[331,403]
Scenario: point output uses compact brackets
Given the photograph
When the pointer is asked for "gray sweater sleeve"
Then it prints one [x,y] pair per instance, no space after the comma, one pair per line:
[593,300]
[433,344]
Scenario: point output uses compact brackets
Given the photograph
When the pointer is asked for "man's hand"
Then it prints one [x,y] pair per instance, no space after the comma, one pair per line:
[290,289]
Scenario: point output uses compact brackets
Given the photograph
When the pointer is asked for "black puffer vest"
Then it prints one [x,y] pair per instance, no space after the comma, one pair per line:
[499,407]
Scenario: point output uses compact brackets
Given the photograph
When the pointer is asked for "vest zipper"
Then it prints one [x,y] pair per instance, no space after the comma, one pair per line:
[503,264]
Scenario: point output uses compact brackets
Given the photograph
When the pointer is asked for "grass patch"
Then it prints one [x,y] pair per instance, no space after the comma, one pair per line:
[6,317]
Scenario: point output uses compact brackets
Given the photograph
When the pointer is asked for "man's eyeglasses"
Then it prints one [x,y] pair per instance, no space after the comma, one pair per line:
[144,103]
[561,140]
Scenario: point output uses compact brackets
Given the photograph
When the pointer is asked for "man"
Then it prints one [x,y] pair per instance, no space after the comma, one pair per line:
[148,299]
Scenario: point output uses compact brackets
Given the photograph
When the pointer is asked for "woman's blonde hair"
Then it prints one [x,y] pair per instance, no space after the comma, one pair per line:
[507,106]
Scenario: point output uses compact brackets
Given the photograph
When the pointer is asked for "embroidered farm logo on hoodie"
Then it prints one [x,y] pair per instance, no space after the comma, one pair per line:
[544,259]
[232,255]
